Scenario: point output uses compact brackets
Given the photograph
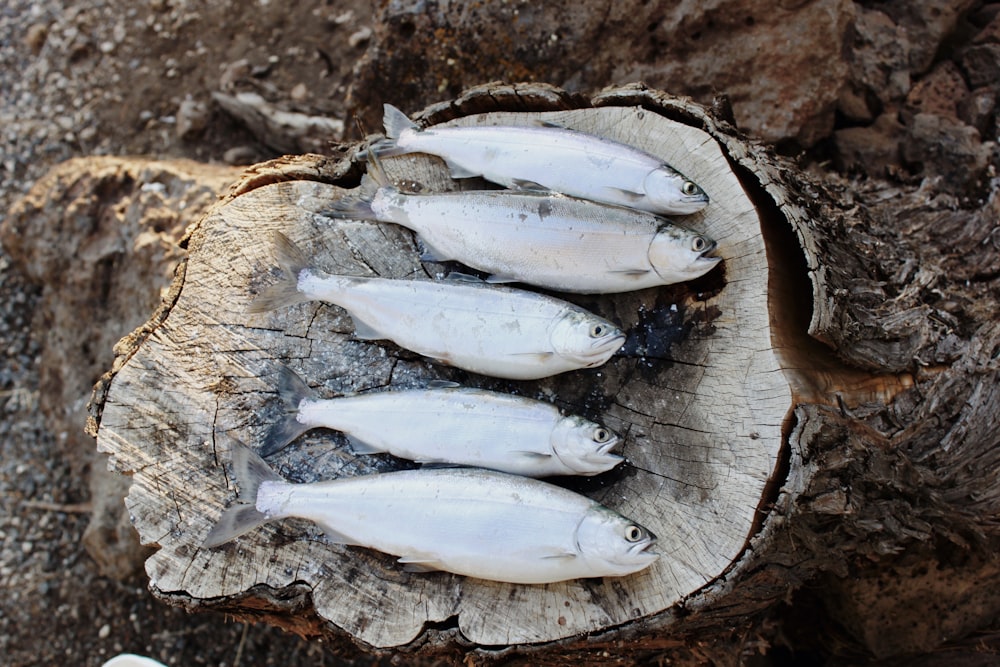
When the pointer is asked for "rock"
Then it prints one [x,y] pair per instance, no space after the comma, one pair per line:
[990,34]
[872,150]
[286,131]
[877,52]
[978,109]
[926,25]
[36,36]
[782,68]
[101,235]
[192,118]
[857,104]
[888,47]
[941,92]
[947,147]
[982,64]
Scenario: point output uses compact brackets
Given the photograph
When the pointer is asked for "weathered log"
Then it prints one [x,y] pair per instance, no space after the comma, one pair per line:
[733,413]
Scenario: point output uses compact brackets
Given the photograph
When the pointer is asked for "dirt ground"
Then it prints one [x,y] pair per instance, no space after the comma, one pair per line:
[110,77]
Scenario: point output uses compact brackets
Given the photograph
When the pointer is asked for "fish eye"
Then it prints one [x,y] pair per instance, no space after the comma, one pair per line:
[633,533]
[598,330]
[601,434]
[690,189]
[699,244]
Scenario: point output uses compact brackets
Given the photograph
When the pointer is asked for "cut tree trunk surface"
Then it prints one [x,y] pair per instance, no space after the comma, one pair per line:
[703,391]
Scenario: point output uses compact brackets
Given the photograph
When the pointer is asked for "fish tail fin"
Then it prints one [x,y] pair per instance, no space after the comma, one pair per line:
[354,207]
[396,121]
[250,470]
[292,262]
[292,390]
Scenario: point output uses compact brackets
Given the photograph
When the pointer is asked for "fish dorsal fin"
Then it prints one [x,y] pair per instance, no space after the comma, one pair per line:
[432,254]
[418,563]
[337,537]
[531,186]
[363,331]
[362,448]
[458,171]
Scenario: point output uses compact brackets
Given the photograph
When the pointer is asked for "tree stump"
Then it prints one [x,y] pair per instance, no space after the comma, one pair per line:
[723,395]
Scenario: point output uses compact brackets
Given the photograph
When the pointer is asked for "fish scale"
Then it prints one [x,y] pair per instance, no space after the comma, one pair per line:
[551,241]
[548,157]
[474,522]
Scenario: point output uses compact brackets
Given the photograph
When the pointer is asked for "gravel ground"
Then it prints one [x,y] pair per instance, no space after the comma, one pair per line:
[89,78]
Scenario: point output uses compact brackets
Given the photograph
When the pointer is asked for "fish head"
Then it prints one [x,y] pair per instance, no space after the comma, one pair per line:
[585,338]
[614,543]
[583,446]
[678,254]
[670,191]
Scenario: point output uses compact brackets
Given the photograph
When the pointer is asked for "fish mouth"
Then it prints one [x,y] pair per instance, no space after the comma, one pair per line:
[690,204]
[601,347]
[643,550]
[706,256]
[599,351]
[605,449]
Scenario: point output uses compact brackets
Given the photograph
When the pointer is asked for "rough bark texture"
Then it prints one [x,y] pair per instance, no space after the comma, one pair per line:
[888,471]
[698,392]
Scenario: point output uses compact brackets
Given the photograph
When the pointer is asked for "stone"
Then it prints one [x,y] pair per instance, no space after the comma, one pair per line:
[877,52]
[941,92]
[978,109]
[192,118]
[872,150]
[982,64]
[782,68]
[947,147]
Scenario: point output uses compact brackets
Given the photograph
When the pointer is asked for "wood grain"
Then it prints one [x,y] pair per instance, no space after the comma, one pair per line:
[698,394]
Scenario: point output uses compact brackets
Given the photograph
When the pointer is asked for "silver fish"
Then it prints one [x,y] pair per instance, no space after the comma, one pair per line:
[469,521]
[451,425]
[504,333]
[548,158]
[551,241]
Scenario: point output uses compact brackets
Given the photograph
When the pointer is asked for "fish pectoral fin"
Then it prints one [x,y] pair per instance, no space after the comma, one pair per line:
[364,331]
[361,447]
[550,123]
[436,463]
[628,195]
[432,254]
[534,456]
[497,278]
[559,554]
[522,184]
[631,272]
[539,356]
[458,171]
[442,384]
[459,277]
[419,563]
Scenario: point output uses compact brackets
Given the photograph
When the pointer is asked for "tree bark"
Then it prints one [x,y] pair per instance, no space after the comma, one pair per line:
[821,407]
